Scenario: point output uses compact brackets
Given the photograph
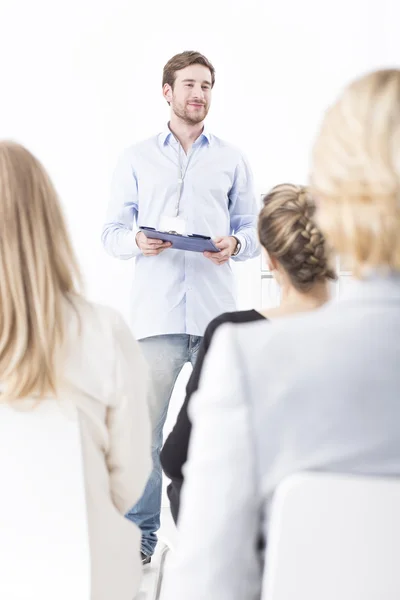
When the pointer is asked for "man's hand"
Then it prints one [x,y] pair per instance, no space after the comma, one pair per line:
[227,245]
[150,247]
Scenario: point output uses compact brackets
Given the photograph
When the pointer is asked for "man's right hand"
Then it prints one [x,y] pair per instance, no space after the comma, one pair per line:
[150,247]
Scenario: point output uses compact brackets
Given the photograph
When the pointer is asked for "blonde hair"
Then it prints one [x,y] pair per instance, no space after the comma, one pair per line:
[38,273]
[356,173]
[287,231]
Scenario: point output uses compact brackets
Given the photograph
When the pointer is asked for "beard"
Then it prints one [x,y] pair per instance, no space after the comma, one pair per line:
[191,117]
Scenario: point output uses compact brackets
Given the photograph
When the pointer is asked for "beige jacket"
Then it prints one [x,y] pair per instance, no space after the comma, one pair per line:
[107,380]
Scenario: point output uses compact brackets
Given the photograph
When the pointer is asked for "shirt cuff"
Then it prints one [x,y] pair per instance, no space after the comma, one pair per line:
[243,244]
[136,249]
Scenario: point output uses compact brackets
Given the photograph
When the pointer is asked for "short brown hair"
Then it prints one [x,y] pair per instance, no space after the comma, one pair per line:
[288,232]
[183,60]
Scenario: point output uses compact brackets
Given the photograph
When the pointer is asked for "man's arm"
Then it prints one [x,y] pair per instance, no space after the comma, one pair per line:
[120,230]
[244,211]
[121,236]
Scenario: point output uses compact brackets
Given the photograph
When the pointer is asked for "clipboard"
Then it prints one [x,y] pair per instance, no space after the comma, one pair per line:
[192,242]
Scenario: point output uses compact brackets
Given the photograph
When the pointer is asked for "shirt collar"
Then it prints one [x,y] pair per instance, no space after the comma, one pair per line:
[167,134]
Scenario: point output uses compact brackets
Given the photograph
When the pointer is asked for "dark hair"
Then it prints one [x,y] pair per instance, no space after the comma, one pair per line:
[288,232]
[182,60]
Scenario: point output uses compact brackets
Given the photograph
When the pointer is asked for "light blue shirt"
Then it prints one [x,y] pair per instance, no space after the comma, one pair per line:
[177,291]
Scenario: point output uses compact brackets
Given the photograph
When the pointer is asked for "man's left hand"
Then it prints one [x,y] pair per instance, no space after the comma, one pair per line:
[227,245]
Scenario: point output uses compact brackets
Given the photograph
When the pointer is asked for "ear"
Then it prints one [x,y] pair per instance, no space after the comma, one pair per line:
[167,92]
[271,261]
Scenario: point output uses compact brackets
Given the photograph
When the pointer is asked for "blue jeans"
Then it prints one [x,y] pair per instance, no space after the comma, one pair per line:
[166,355]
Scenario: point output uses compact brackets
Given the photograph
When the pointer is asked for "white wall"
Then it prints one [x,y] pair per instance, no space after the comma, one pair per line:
[80,80]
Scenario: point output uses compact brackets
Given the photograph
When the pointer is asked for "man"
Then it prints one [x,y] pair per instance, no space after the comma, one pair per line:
[189,181]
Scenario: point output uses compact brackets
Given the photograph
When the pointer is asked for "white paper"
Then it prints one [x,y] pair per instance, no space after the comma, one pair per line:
[176,224]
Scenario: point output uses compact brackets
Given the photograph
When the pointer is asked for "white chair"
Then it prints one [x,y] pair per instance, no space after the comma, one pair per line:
[44,544]
[334,537]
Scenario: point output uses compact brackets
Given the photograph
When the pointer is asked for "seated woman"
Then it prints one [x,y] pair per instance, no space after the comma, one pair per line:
[297,257]
[309,392]
[55,346]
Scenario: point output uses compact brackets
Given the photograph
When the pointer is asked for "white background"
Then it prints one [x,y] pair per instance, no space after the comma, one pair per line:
[81,80]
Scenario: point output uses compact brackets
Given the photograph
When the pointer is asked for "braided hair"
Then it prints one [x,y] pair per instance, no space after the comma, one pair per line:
[288,232]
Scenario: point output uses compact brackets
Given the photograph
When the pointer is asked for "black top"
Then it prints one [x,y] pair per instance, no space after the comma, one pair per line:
[175,450]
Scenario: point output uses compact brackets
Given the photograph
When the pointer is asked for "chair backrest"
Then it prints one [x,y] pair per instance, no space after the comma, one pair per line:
[44,544]
[334,537]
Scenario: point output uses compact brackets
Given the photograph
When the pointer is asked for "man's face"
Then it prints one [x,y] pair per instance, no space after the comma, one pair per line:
[190,97]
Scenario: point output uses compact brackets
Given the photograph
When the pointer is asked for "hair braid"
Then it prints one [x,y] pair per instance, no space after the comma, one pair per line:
[288,231]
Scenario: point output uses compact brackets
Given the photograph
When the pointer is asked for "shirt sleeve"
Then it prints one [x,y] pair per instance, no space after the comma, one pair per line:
[129,456]
[119,232]
[217,555]
[244,211]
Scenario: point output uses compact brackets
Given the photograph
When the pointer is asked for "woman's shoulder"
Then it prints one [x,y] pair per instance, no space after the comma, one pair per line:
[101,327]
[98,343]
[291,336]
[238,316]
[91,314]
